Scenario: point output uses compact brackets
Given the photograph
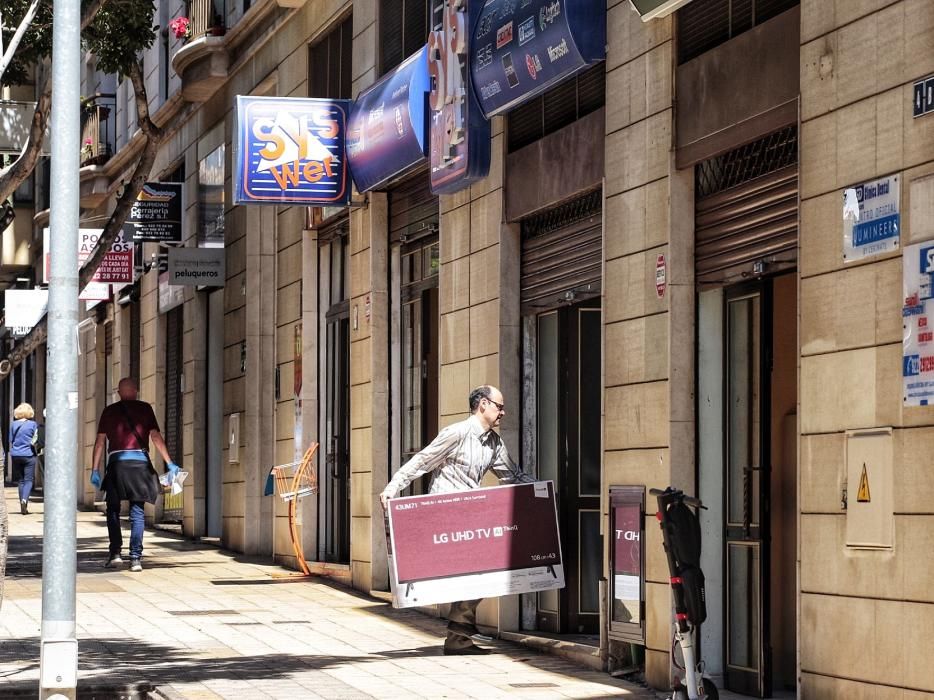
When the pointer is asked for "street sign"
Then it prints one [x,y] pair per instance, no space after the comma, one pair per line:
[922,97]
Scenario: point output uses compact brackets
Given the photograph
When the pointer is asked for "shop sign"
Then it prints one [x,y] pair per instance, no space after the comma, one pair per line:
[116,266]
[23,309]
[290,150]
[918,325]
[474,544]
[194,267]
[460,135]
[661,275]
[156,214]
[871,218]
[388,128]
[520,49]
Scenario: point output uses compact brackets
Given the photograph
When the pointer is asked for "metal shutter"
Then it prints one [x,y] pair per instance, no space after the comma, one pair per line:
[413,209]
[135,328]
[746,211]
[562,254]
[173,372]
[705,24]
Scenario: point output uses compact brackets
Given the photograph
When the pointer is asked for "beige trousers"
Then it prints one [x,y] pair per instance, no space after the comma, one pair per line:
[465,612]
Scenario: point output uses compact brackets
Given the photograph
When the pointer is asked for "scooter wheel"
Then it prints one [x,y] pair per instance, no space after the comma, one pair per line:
[710,690]
[679,693]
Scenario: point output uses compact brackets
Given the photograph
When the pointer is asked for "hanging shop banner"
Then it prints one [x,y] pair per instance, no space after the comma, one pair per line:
[460,134]
[474,544]
[156,214]
[520,49]
[23,309]
[116,267]
[918,325]
[388,129]
[871,218]
[290,150]
[195,267]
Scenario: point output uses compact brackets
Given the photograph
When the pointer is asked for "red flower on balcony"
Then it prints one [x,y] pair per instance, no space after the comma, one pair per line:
[181,27]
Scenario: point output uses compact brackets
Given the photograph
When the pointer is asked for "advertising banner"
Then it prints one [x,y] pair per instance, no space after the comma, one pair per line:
[520,49]
[917,325]
[627,562]
[195,267]
[116,267]
[23,309]
[388,130]
[156,214]
[290,150]
[474,544]
[870,218]
[460,134]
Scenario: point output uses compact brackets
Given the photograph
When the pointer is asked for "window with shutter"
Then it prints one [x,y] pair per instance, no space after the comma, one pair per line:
[705,24]
[555,109]
[329,63]
[403,29]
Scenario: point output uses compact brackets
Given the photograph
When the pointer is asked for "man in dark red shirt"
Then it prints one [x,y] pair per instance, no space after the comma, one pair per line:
[127,426]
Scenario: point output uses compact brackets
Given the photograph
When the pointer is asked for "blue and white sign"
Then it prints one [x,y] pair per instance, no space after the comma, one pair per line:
[290,150]
[523,47]
[388,130]
[871,224]
[918,325]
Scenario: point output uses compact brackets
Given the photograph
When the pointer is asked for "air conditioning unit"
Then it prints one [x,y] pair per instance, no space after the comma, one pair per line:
[652,9]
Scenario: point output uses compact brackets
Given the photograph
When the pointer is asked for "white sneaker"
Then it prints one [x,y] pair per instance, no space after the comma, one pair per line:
[136,565]
[114,561]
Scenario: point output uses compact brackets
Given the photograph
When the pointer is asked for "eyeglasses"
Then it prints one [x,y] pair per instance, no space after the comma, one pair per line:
[499,406]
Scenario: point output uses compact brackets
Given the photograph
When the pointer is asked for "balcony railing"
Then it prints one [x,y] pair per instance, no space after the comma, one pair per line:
[97,129]
[207,18]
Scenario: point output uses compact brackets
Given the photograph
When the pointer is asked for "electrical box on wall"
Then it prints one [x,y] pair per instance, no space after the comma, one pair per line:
[870,518]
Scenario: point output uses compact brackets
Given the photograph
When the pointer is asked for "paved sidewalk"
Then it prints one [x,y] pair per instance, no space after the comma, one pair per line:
[203,623]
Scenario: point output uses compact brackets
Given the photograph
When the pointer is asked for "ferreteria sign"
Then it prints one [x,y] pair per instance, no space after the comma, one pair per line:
[156,214]
[460,134]
[290,150]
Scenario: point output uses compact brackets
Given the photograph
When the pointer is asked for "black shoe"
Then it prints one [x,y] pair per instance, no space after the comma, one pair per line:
[472,650]
[465,629]
[23,508]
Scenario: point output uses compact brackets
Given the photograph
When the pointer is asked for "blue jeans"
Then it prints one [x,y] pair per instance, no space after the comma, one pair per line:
[24,470]
[137,525]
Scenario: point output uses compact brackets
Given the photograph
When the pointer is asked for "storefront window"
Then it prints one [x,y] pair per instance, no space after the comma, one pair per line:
[211,197]
[627,587]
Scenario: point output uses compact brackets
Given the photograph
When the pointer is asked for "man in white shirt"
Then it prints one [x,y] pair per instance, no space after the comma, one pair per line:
[457,459]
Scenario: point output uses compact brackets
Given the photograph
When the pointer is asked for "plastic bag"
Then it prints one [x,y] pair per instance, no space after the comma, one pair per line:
[173,482]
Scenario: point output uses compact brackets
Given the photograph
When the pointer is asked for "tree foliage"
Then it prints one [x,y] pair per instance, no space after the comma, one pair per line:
[116,32]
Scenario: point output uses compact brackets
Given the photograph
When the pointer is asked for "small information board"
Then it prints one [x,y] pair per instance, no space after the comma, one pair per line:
[483,543]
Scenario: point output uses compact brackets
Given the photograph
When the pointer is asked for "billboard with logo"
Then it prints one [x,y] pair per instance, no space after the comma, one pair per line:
[521,48]
[474,544]
[388,129]
[460,134]
[290,150]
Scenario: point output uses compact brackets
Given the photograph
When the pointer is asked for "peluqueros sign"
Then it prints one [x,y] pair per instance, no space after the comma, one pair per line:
[290,150]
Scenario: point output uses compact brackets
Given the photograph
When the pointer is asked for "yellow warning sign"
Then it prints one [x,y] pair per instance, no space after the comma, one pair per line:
[862,495]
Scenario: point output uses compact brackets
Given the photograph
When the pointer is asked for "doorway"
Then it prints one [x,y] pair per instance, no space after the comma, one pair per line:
[568,445]
[214,428]
[748,473]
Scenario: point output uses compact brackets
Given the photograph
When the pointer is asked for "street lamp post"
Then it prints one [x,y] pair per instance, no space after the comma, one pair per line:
[58,672]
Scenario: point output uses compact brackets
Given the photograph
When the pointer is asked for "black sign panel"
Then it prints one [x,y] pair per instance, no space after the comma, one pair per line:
[156,214]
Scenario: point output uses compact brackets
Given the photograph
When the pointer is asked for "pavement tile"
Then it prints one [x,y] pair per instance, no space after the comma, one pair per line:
[301,638]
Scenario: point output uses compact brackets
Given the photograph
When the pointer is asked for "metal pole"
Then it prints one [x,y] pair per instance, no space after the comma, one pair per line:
[58,674]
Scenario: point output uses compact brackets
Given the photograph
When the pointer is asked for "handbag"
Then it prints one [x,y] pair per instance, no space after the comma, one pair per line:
[144,444]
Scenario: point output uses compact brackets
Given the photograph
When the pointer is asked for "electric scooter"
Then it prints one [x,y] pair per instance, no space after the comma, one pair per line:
[681,537]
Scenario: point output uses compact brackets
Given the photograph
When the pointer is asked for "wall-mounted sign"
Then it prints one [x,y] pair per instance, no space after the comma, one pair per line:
[116,267]
[661,276]
[156,214]
[520,49]
[194,267]
[627,587]
[918,325]
[290,150]
[870,218]
[388,129]
[23,309]
[460,135]
[922,97]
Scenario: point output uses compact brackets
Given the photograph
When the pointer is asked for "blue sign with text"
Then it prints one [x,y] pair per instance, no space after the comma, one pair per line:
[388,129]
[521,48]
[290,150]
[460,134]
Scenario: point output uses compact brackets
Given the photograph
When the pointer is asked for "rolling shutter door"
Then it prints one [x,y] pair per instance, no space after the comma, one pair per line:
[562,254]
[746,212]
[413,210]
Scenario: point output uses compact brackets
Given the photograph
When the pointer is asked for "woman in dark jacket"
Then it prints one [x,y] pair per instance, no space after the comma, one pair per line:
[22,452]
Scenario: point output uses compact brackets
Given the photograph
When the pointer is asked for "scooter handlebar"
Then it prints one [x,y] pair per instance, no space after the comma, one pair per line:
[676,494]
